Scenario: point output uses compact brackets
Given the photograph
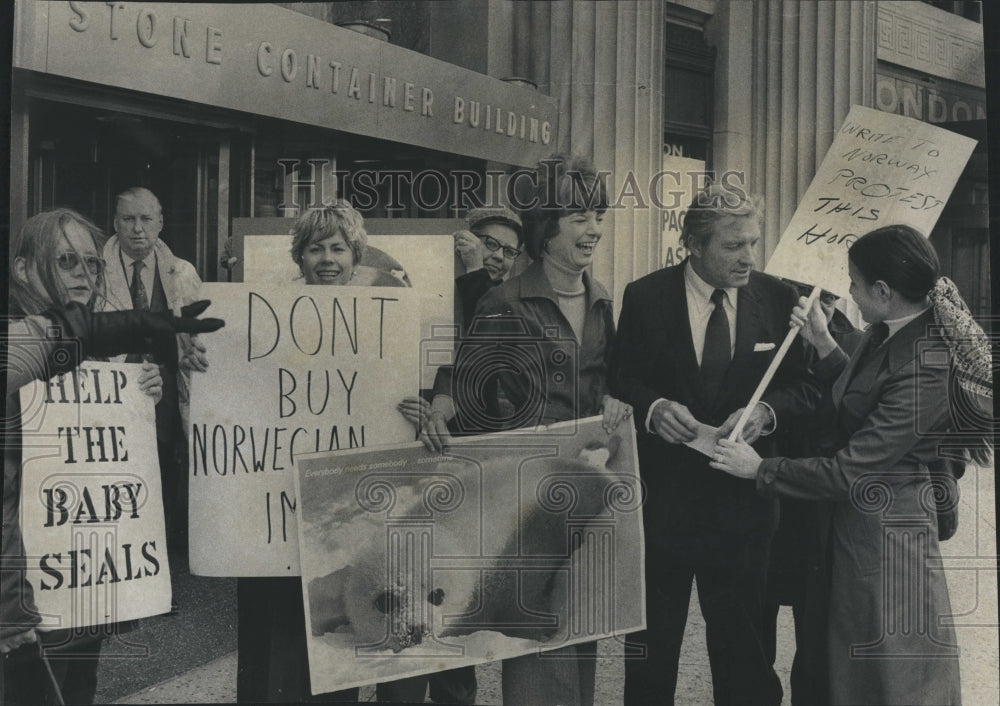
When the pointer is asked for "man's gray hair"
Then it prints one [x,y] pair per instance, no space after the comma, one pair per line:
[135,192]
[712,205]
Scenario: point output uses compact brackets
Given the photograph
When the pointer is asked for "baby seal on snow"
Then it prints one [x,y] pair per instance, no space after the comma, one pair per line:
[390,598]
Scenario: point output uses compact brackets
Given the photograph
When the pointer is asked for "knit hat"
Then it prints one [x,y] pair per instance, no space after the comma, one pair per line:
[496,214]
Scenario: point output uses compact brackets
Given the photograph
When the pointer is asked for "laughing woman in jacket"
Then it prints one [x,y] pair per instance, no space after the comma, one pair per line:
[891,407]
[557,306]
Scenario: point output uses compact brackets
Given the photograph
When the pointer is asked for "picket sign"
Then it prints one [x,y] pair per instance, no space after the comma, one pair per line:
[771,370]
[91,509]
[881,169]
[297,369]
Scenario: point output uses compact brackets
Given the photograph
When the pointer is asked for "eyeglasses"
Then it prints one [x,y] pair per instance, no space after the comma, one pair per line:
[70,260]
[492,244]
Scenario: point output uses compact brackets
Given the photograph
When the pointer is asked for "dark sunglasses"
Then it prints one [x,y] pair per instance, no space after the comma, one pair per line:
[69,261]
[492,244]
[826,297]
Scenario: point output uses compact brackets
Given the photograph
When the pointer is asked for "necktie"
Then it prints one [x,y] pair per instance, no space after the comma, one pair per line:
[715,355]
[140,301]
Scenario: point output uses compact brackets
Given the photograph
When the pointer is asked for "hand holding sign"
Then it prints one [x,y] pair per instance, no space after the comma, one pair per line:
[881,169]
[815,326]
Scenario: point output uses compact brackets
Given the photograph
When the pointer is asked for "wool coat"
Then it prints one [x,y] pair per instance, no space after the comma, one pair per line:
[889,641]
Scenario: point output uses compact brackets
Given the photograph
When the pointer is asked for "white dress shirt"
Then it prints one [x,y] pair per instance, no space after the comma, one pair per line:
[700,308]
[148,272]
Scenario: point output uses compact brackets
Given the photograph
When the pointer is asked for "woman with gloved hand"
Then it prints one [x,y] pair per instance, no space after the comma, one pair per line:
[56,278]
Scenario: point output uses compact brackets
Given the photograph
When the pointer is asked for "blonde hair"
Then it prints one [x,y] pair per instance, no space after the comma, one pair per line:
[39,243]
[318,224]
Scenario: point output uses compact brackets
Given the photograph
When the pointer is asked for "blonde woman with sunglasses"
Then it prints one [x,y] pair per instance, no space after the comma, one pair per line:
[57,278]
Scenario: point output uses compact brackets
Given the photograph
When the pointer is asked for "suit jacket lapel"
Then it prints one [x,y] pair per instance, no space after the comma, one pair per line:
[859,374]
[119,297]
[748,324]
[166,267]
[677,324]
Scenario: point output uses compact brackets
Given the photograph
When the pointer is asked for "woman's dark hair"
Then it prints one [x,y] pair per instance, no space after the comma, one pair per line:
[899,256]
[560,185]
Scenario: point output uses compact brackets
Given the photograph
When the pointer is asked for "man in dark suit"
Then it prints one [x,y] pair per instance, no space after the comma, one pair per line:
[694,341]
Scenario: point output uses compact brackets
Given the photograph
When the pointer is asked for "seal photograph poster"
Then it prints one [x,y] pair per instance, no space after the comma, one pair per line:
[506,544]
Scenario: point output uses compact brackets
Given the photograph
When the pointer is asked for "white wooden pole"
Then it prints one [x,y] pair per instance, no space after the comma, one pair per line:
[771,370]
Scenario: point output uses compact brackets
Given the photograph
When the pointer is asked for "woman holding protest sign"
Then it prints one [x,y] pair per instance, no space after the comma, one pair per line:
[922,367]
[327,245]
[56,279]
[557,312]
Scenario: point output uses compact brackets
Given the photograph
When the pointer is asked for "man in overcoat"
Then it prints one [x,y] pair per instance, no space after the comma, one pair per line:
[143,274]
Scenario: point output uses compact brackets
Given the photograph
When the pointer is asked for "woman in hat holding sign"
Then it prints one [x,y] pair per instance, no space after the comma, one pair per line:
[922,368]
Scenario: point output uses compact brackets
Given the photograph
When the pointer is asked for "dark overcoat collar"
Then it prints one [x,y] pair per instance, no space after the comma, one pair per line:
[898,351]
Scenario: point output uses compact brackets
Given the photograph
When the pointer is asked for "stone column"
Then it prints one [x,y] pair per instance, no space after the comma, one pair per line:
[787,75]
[604,62]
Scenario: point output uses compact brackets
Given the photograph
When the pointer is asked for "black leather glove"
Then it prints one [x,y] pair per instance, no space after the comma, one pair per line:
[79,333]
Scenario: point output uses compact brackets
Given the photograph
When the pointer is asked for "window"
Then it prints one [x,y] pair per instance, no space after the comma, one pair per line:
[969,10]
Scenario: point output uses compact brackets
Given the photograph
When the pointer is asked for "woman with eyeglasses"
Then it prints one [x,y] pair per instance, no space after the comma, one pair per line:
[488,250]
[57,278]
[922,367]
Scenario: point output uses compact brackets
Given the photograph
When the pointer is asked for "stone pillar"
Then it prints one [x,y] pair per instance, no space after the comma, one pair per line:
[783,87]
[604,62]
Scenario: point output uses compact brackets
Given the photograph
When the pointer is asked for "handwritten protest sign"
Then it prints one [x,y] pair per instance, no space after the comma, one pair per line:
[426,261]
[297,369]
[882,169]
[91,510]
[506,544]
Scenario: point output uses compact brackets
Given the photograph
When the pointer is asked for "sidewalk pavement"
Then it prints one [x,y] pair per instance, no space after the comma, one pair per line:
[970,559]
